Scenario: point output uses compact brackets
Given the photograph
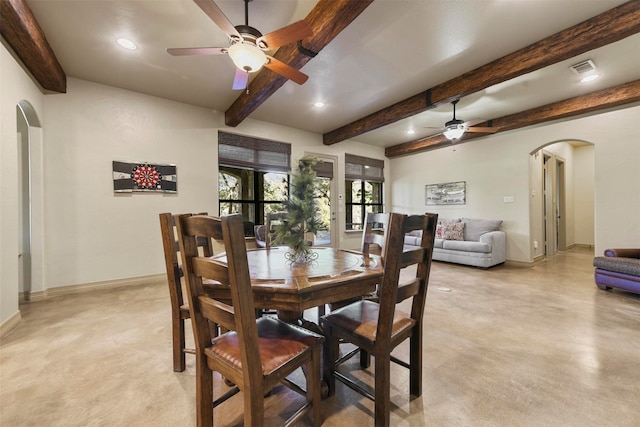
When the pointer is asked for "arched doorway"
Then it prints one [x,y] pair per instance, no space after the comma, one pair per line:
[562,188]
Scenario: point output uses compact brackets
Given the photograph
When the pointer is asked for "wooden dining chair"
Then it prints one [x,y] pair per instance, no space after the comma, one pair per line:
[379,327]
[273,219]
[255,354]
[373,232]
[179,308]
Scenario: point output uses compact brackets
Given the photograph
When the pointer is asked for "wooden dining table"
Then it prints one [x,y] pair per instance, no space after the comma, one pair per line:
[334,275]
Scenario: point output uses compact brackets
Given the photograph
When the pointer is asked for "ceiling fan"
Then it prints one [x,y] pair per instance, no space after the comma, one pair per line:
[455,128]
[247,45]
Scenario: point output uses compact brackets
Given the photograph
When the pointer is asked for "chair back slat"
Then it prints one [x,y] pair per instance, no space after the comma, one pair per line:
[218,312]
[408,289]
[208,268]
[374,227]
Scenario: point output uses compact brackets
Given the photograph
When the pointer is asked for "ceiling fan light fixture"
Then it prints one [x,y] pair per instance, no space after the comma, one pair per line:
[454,130]
[247,57]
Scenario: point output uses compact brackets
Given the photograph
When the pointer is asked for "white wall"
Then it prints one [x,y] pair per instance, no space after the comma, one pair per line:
[498,165]
[584,195]
[15,86]
[492,169]
[94,234]
[87,232]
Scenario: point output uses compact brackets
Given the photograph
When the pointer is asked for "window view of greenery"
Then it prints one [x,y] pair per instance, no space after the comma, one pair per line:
[362,197]
[324,206]
[251,193]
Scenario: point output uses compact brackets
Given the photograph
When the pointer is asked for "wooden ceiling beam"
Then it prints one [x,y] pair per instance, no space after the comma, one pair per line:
[606,98]
[327,19]
[601,30]
[20,29]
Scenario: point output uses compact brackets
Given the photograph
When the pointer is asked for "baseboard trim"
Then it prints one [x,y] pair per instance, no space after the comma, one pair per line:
[524,264]
[31,296]
[107,284]
[10,324]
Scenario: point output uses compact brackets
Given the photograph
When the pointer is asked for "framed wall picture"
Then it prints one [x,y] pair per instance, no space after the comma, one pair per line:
[447,193]
[144,176]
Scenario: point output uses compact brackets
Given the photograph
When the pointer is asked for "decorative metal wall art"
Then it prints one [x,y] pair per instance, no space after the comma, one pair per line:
[144,176]
[448,193]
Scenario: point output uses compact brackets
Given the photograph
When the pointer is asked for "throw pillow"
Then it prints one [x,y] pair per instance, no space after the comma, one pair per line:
[454,231]
[442,226]
[477,227]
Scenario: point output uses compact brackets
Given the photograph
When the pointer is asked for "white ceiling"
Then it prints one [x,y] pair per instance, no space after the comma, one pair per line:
[393,50]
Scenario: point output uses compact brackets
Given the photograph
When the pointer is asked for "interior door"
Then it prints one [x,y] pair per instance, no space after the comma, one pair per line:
[550,244]
[327,203]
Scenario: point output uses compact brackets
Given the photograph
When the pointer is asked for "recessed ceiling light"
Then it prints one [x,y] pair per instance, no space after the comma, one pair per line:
[411,132]
[589,78]
[127,44]
[319,104]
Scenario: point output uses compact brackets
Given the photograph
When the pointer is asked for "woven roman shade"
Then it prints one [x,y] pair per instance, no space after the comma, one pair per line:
[246,152]
[363,168]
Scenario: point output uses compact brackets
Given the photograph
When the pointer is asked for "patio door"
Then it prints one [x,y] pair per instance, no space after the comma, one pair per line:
[326,170]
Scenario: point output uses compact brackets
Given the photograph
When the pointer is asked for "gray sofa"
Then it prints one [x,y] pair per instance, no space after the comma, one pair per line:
[469,241]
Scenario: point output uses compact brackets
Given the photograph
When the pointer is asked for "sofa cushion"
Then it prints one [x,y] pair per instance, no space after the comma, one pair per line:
[412,240]
[474,228]
[437,243]
[629,266]
[453,231]
[466,246]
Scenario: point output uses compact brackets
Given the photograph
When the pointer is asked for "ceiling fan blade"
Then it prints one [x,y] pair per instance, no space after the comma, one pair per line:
[285,35]
[180,51]
[286,70]
[213,11]
[480,129]
[240,80]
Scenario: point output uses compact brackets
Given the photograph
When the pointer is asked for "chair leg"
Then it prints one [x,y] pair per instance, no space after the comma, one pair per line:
[253,407]
[415,363]
[177,327]
[314,394]
[330,355]
[365,359]
[382,389]
[204,393]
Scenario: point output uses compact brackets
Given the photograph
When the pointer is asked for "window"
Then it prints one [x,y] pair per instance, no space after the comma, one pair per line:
[252,177]
[363,184]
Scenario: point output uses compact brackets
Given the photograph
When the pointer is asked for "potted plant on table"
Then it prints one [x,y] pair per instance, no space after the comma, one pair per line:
[302,213]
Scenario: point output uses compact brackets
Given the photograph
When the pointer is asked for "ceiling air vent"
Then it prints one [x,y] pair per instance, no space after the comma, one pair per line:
[583,67]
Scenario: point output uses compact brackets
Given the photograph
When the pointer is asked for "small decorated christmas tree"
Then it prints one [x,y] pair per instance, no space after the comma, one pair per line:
[302,213]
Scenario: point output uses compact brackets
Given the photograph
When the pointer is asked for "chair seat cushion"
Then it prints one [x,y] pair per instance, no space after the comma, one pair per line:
[279,342]
[362,318]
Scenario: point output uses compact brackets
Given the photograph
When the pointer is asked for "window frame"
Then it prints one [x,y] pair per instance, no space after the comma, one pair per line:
[366,171]
[260,156]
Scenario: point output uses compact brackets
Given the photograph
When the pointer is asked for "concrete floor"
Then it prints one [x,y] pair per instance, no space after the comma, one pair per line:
[508,346]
